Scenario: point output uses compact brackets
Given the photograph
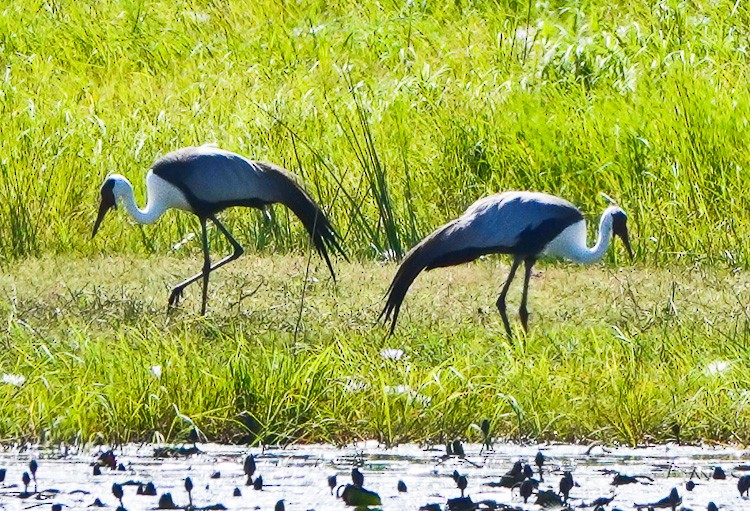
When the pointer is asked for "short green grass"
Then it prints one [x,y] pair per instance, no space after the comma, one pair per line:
[618,355]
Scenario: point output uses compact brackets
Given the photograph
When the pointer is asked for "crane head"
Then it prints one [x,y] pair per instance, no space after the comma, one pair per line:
[620,228]
[108,202]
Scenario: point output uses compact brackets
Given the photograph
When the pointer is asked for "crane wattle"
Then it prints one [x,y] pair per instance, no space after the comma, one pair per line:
[108,202]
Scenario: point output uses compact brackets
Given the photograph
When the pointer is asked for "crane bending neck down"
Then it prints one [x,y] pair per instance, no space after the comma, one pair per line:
[525,225]
[206,180]
[571,243]
[122,192]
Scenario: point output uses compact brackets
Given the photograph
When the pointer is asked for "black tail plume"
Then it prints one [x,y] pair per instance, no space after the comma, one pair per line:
[322,233]
[429,253]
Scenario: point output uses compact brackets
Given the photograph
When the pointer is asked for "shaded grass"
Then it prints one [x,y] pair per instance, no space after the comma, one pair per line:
[619,356]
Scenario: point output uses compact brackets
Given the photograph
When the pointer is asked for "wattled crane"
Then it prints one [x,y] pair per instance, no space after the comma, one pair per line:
[526,225]
[206,180]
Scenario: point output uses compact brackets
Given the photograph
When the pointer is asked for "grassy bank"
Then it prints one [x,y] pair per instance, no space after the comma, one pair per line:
[397,115]
[616,355]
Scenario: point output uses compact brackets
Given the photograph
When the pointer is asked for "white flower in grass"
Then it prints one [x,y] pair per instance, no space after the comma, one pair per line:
[717,368]
[398,390]
[187,239]
[354,385]
[197,17]
[392,353]
[156,371]
[409,393]
[14,379]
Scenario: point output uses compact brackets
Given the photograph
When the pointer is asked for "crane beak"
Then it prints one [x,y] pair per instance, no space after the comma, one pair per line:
[621,230]
[626,241]
[108,202]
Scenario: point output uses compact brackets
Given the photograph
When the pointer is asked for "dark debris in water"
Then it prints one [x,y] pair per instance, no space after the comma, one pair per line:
[467,504]
[301,478]
[166,502]
[354,495]
[461,504]
[148,489]
[547,498]
[36,495]
[107,459]
[175,452]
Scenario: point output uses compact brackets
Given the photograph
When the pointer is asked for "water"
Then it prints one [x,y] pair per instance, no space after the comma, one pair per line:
[299,475]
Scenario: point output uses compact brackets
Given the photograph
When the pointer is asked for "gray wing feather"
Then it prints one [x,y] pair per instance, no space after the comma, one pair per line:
[212,175]
[213,179]
[512,220]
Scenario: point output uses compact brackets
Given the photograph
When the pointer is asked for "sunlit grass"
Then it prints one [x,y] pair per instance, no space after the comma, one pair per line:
[615,355]
[397,115]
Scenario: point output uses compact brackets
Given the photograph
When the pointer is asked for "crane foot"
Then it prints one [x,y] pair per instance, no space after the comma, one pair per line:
[174,297]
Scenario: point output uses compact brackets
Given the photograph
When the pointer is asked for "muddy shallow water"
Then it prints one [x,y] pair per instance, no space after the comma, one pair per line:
[299,475]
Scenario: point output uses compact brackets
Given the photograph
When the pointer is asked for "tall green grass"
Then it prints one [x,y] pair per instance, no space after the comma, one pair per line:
[397,115]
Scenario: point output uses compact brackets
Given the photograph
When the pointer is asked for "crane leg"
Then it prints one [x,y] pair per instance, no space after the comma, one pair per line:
[501,299]
[174,297]
[523,312]
[206,267]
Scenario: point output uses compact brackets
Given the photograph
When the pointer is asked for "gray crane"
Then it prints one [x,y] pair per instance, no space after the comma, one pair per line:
[206,180]
[526,225]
